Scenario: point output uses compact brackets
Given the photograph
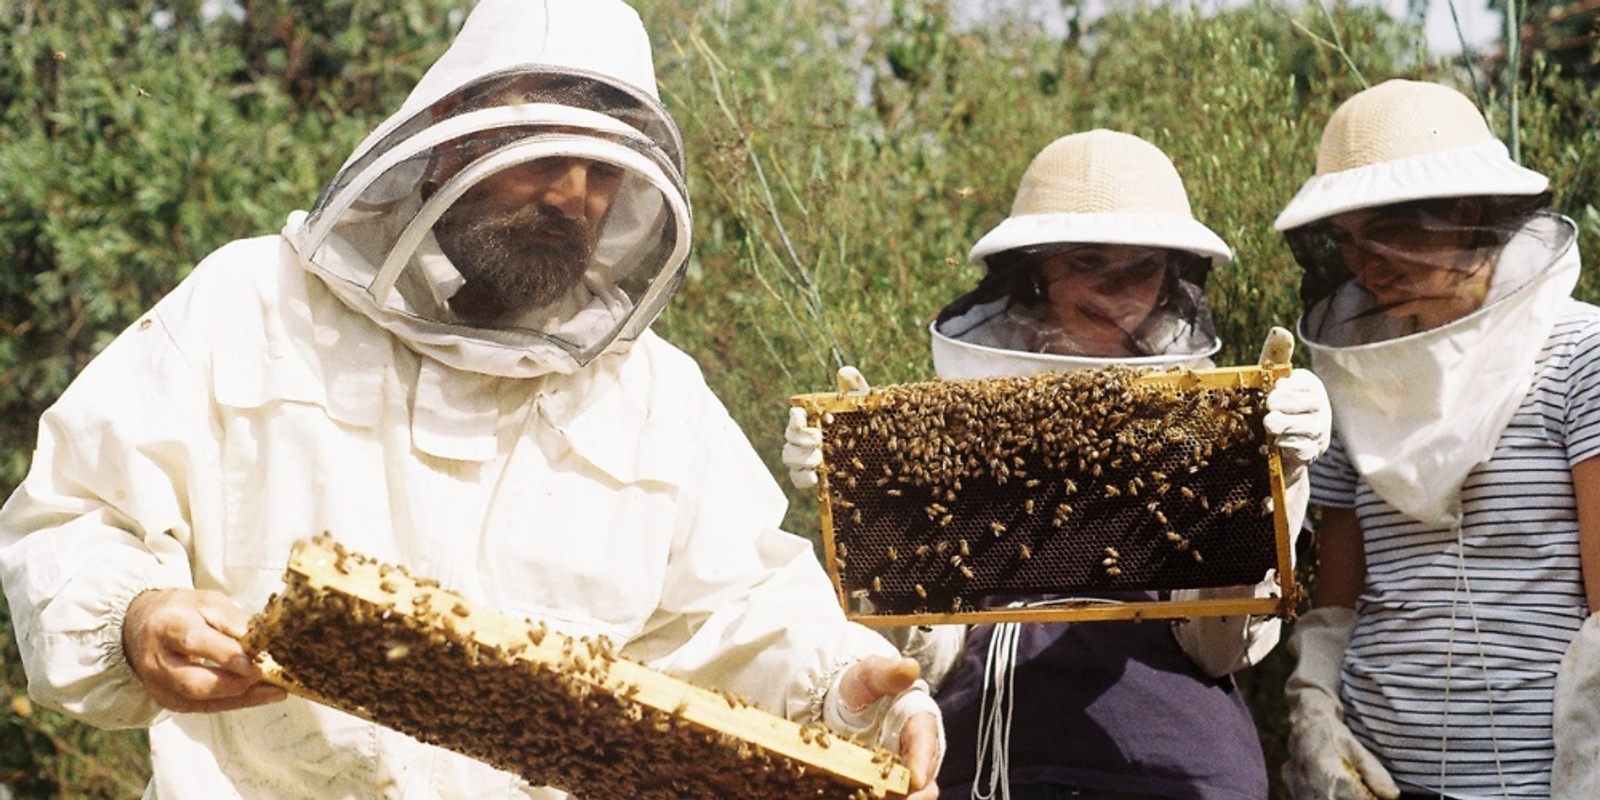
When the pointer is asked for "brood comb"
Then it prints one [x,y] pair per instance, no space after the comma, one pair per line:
[369,639]
[942,501]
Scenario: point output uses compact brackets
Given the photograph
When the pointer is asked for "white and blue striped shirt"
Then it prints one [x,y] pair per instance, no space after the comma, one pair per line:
[1450,674]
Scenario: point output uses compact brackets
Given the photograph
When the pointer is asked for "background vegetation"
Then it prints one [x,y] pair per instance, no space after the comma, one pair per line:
[844,156]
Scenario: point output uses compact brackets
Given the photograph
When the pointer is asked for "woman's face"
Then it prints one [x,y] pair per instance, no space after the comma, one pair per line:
[1417,262]
[1100,294]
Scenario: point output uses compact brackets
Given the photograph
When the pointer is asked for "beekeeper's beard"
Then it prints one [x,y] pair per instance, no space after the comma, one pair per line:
[513,261]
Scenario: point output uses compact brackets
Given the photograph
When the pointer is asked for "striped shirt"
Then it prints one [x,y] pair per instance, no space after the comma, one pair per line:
[1450,674]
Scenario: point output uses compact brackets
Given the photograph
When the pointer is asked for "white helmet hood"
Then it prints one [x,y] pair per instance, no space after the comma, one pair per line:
[527,88]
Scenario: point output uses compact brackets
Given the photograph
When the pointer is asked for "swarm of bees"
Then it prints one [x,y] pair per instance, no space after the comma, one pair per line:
[1096,480]
[369,639]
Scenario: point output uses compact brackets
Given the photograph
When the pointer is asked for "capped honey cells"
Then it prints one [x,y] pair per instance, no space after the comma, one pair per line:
[369,639]
[953,495]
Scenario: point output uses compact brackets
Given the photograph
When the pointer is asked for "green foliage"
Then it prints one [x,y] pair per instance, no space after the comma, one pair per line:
[134,148]
[1564,34]
[843,158]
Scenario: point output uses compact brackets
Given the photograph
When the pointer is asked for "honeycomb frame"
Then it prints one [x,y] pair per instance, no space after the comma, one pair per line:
[369,639]
[1114,395]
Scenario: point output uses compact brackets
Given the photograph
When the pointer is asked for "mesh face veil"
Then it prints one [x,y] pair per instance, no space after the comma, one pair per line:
[1087,300]
[1381,273]
[1402,228]
[523,223]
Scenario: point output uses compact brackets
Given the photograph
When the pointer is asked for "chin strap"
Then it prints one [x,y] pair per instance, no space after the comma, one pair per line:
[994,714]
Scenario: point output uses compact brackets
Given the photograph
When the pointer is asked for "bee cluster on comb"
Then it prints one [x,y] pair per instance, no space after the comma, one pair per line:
[949,496]
[370,639]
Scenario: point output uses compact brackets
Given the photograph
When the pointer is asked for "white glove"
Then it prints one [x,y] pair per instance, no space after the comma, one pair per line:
[1325,760]
[936,648]
[1576,725]
[1299,417]
[802,441]
[802,449]
[1298,413]
[883,721]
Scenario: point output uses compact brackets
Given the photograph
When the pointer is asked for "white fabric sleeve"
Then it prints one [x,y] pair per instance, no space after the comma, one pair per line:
[102,516]
[1576,724]
[1320,639]
[1224,645]
[746,607]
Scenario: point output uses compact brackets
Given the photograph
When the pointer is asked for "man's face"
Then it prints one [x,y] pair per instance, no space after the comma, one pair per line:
[524,236]
[1417,262]
[1101,294]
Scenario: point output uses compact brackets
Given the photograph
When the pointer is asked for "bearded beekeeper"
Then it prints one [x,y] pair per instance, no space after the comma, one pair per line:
[1100,263]
[447,365]
[1459,517]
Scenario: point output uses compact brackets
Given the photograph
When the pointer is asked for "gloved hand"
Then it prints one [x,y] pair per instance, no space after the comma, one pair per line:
[1299,415]
[935,648]
[802,441]
[1576,724]
[1325,760]
[883,701]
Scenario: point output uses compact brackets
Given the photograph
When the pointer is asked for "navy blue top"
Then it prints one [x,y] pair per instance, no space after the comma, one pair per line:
[1113,706]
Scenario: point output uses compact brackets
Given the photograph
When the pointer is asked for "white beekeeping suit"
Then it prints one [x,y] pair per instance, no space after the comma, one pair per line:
[536,449]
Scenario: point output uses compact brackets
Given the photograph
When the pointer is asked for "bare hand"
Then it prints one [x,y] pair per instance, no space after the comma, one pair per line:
[877,677]
[183,644]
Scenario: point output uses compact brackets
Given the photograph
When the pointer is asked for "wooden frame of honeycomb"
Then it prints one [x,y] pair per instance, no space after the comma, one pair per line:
[369,639]
[902,452]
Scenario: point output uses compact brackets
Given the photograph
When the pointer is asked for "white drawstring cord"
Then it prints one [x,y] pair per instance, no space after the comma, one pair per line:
[994,718]
[1464,585]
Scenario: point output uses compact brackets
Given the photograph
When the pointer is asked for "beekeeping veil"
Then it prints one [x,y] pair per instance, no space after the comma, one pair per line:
[1094,188]
[1419,403]
[527,89]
